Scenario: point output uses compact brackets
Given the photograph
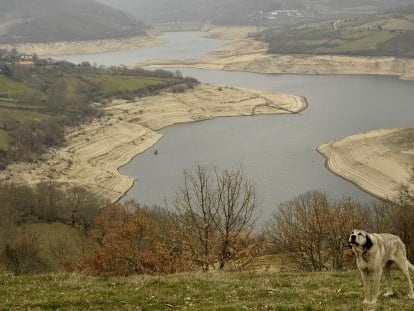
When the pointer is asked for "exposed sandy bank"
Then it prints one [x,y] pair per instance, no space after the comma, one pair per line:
[246,54]
[95,152]
[377,161]
[84,47]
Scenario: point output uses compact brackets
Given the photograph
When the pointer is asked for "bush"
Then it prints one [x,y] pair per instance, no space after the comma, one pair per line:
[135,240]
[22,254]
[315,231]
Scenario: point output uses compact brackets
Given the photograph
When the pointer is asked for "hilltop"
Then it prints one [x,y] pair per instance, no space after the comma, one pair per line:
[24,21]
[242,12]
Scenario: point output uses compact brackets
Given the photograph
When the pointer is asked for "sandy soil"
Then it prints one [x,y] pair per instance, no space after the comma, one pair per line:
[84,47]
[245,54]
[95,152]
[378,161]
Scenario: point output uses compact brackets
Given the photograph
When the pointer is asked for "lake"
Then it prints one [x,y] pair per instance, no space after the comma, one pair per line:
[176,45]
[277,152]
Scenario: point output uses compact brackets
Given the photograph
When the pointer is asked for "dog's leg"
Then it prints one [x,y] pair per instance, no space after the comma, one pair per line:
[403,265]
[365,281]
[387,274]
[377,284]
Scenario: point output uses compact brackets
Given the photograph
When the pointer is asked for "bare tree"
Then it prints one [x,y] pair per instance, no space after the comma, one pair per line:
[399,217]
[217,213]
[22,254]
[314,231]
[195,205]
[234,213]
[343,216]
[84,206]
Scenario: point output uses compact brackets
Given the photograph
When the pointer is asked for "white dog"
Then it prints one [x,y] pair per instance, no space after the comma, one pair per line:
[376,253]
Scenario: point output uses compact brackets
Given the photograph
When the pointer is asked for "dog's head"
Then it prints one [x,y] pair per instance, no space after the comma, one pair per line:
[360,239]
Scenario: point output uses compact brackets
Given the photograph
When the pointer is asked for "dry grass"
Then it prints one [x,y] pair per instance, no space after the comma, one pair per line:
[212,291]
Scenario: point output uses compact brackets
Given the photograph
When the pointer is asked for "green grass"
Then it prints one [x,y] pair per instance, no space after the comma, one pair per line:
[20,115]
[378,35]
[113,83]
[14,90]
[16,97]
[4,139]
[367,41]
[212,291]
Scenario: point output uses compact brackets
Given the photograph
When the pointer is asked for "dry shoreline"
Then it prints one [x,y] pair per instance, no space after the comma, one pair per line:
[95,152]
[242,53]
[392,162]
[377,161]
[246,54]
[86,47]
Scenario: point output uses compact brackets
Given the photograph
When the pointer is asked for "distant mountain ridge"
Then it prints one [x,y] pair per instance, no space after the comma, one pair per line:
[27,21]
[238,11]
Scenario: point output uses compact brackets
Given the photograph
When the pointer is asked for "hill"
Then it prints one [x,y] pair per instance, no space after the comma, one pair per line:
[23,21]
[246,11]
[209,291]
[45,96]
[387,34]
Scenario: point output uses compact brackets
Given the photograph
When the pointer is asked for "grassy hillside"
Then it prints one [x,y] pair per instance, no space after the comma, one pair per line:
[211,291]
[26,100]
[24,21]
[37,101]
[389,34]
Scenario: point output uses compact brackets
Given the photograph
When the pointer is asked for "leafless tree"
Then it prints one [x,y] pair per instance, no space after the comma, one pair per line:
[22,254]
[234,213]
[314,231]
[217,213]
[399,217]
[195,205]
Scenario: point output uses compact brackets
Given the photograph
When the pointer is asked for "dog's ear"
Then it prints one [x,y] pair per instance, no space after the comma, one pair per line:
[368,244]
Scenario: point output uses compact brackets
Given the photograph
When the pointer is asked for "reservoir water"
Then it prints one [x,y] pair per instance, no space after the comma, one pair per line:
[277,152]
[176,45]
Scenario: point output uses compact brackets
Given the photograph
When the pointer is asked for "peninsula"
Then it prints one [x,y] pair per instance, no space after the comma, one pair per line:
[94,152]
[378,161]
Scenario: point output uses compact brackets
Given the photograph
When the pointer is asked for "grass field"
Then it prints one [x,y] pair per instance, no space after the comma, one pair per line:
[24,100]
[212,291]
[381,35]
[113,83]
[14,90]
[21,115]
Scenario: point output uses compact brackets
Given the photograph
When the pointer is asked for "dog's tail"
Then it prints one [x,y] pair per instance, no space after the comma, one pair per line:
[410,265]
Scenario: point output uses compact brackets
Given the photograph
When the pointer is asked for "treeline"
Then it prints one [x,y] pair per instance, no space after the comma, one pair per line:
[299,42]
[66,94]
[211,224]
[59,20]
[314,230]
